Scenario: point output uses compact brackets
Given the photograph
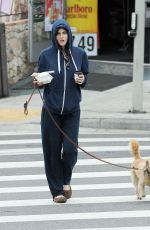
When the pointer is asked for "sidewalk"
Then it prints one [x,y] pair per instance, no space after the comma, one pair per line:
[107,109]
[110,109]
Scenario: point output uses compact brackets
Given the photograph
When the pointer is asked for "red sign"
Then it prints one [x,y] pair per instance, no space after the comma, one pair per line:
[53,11]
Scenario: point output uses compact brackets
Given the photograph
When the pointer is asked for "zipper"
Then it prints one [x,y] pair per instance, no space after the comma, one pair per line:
[64,93]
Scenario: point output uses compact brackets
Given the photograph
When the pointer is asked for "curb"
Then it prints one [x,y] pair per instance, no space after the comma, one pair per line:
[116,123]
[95,123]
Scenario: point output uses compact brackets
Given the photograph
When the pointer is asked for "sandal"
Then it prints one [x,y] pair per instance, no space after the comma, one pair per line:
[60,199]
[67,191]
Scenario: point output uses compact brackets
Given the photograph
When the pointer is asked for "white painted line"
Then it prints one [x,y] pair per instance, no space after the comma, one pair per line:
[81,200]
[101,174]
[22,151]
[110,148]
[75,216]
[113,139]
[74,175]
[22,177]
[74,187]
[90,149]
[22,164]
[24,189]
[38,132]
[116,228]
[82,140]
[38,164]
[20,133]
[102,186]
[91,161]
[17,142]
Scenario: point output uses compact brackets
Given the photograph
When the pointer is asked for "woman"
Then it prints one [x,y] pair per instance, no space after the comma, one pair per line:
[62,97]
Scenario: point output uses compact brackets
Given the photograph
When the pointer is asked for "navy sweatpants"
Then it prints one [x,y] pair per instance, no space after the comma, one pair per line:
[60,155]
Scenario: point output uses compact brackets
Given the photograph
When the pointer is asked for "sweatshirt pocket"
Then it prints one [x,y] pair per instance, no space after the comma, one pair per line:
[55,99]
[72,99]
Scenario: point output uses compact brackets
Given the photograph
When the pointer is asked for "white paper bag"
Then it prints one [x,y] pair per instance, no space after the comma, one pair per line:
[44,77]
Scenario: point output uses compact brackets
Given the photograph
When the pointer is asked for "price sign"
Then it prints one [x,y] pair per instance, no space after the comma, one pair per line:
[86,41]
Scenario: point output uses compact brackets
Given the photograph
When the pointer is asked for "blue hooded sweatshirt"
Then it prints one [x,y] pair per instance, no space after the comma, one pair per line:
[63,95]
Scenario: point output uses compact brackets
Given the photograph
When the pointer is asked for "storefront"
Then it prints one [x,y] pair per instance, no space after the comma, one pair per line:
[112,42]
[114,20]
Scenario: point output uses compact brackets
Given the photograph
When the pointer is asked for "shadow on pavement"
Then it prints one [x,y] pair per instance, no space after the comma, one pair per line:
[102,82]
[96,82]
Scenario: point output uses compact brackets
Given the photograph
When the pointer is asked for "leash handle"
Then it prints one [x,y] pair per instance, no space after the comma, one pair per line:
[26,108]
[27,102]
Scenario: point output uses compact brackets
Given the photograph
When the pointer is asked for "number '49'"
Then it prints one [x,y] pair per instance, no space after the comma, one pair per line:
[90,43]
[82,42]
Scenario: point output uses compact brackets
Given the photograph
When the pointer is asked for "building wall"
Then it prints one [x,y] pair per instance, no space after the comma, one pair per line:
[16,33]
[19,11]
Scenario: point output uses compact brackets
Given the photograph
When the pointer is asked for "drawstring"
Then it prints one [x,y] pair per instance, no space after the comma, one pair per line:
[64,93]
[73,60]
[58,60]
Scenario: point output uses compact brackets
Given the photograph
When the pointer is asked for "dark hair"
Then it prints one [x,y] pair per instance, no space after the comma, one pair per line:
[67,44]
[60,27]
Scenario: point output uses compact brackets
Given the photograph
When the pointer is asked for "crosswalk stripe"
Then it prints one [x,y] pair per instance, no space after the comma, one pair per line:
[113,139]
[22,164]
[33,217]
[74,187]
[74,175]
[102,174]
[116,228]
[112,160]
[83,200]
[82,162]
[20,133]
[22,177]
[25,141]
[83,140]
[75,216]
[22,151]
[84,131]
[90,149]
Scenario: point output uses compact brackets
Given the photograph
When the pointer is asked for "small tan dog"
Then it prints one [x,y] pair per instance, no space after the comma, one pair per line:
[141,177]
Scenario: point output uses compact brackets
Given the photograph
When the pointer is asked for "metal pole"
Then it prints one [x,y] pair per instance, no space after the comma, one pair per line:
[30,29]
[64,5]
[138,64]
[3,63]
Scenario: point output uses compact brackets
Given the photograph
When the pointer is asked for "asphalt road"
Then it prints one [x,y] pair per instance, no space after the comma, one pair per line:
[101,82]
[103,195]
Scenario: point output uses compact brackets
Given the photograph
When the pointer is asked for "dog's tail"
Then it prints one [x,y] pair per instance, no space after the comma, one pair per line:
[134,149]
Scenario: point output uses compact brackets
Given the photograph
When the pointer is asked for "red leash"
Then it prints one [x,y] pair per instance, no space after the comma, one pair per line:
[66,136]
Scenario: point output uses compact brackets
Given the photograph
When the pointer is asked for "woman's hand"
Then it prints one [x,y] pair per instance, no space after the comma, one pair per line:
[79,78]
[37,83]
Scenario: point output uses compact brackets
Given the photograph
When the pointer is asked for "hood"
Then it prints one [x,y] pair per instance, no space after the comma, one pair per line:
[61,23]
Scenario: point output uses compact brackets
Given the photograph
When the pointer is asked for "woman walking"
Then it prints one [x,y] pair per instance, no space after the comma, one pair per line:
[62,97]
